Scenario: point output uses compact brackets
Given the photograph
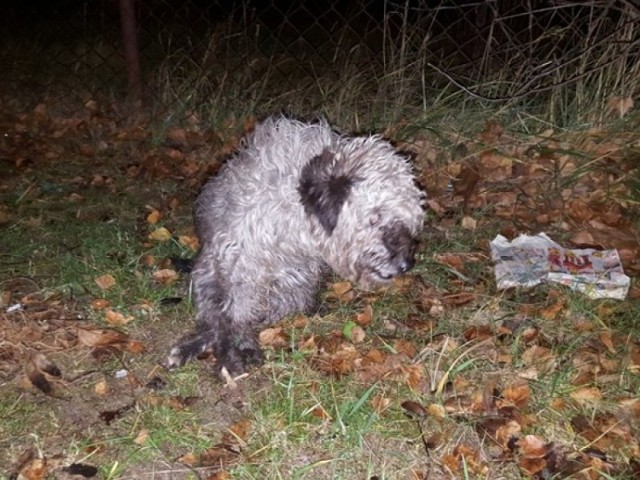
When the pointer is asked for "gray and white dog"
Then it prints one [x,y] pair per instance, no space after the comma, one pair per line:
[296,200]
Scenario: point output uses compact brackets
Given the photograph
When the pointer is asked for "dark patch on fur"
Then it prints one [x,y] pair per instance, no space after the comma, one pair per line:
[322,191]
[401,246]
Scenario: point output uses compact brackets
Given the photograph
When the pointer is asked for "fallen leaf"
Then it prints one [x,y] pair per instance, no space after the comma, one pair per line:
[100,303]
[160,235]
[274,337]
[468,223]
[436,410]
[101,388]
[100,337]
[414,409]
[36,469]
[105,282]
[300,321]
[341,291]
[165,276]
[153,217]
[365,317]
[619,106]
[189,241]
[116,318]
[517,394]
[380,403]
[586,395]
[142,437]
[353,332]
[320,412]
[539,357]
[238,433]
[188,459]
[492,132]
[39,369]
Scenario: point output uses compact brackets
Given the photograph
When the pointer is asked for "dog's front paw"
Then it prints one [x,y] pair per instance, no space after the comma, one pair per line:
[238,360]
[187,348]
[176,358]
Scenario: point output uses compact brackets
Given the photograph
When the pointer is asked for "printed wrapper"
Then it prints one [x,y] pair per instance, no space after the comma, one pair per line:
[530,260]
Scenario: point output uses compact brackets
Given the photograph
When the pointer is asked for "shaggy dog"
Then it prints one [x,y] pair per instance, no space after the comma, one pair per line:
[295,201]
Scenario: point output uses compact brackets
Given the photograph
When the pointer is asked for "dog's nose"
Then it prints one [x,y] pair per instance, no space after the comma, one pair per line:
[406,264]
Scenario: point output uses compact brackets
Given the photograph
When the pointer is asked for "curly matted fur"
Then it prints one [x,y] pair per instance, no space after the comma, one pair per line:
[296,200]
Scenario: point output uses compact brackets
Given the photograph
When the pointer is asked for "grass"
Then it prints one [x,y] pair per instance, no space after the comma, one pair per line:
[304,422]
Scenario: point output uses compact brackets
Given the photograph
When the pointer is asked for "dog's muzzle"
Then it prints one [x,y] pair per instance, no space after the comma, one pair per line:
[401,246]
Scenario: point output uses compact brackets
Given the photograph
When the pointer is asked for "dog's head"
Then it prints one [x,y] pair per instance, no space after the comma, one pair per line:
[365,209]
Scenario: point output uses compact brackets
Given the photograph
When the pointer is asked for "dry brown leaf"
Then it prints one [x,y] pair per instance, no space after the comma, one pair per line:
[188,459]
[539,357]
[517,394]
[380,403]
[219,455]
[374,356]
[343,291]
[477,332]
[492,132]
[142,437]
[552,311]
[308,344]
[161,234]
[532,465]
[153,217]
[506,433]
[165,276]
[533,446]
[468,223]
[189,241]
[36,469]
[458,299]
[148,260]
[405,347]
[116,318]
[356,334]
[414,409]
[340,363]
[320,412]
[436,410]
[586,395]
[105,281]
[300,321]
[101,388]
[100,303]
[39,370]
[365,317]
[452,260]
[465,458]
[238,433]
[135,346]
[274,337]
[607,340]
[619,106]
[100,337]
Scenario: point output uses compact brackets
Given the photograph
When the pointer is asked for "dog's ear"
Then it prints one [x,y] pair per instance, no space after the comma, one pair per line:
[323,190]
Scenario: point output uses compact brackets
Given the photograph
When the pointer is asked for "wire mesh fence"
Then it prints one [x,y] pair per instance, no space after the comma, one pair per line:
[309,53]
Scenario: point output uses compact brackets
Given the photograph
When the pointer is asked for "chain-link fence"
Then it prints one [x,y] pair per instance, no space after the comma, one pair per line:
[411,51]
